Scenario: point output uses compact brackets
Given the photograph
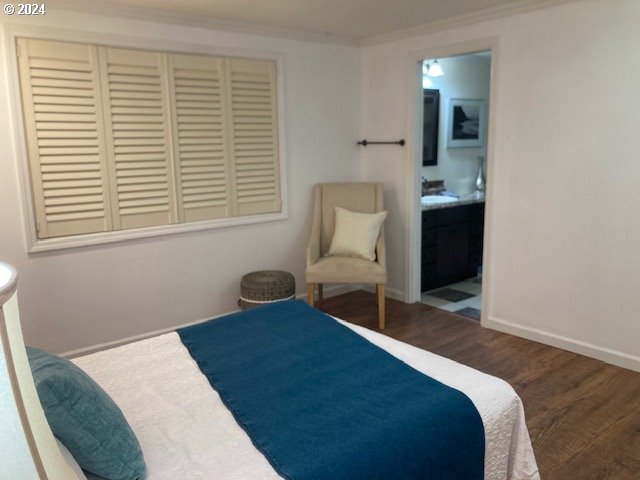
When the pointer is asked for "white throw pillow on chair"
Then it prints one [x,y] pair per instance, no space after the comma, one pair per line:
[356,233]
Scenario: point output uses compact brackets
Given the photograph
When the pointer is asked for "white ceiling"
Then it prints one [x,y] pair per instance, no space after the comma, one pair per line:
[351,20]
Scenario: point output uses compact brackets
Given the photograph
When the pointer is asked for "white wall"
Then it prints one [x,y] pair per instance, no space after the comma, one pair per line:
[564,171]
[466,76]
[564,193]
[77,298]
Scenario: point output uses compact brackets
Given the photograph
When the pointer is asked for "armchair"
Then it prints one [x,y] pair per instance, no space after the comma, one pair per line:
[358,197]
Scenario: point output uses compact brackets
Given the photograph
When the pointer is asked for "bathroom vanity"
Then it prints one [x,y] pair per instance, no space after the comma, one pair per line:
[451,241]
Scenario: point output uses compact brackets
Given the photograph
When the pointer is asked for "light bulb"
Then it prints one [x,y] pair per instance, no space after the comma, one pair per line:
[435,70]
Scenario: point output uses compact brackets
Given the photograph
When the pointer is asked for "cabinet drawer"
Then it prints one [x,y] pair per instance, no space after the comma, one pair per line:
[447,216]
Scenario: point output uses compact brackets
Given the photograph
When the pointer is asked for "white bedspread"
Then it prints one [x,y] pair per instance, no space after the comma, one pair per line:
[187,433]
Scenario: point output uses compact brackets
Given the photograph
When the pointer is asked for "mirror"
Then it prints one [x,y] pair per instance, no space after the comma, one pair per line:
[431,113]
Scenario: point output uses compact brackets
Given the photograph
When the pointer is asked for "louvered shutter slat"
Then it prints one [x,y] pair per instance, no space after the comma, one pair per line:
[202,169]
[65,137]
[137,118]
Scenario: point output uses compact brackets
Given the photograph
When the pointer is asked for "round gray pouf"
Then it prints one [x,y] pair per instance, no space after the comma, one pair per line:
[266,286]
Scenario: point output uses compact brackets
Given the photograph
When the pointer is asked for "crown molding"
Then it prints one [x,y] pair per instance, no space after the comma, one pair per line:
[110,9]
[495,13]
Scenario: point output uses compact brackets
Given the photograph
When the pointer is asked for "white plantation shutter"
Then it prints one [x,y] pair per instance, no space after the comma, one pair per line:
[65,139]
[251,94]
[136,117]
[199,137]
[121,139]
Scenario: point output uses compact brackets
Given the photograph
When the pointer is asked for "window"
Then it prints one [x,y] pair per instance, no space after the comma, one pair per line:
[121,139]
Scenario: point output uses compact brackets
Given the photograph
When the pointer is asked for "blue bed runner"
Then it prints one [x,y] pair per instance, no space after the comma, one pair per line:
[323,403]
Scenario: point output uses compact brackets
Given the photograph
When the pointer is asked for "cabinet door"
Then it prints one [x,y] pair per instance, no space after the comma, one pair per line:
[428,278]
[452,254]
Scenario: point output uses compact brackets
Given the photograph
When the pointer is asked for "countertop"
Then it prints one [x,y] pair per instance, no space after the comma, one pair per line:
[462,200]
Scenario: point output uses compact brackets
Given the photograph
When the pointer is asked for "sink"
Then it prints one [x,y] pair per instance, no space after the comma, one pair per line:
[437,199]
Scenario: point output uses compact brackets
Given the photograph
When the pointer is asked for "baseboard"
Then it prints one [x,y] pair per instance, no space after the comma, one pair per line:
[134,338]
[388,292]
[330,291]
[608,355]
[334,290]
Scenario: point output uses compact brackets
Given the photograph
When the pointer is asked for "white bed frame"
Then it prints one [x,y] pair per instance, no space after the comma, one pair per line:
[28,448]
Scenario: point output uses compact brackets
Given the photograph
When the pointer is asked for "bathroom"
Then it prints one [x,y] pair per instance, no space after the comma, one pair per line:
[456,105]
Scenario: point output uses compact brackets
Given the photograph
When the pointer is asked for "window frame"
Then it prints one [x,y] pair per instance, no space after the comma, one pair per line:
[18,131]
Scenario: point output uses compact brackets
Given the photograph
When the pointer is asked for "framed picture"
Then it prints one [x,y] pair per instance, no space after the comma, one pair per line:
[466,123]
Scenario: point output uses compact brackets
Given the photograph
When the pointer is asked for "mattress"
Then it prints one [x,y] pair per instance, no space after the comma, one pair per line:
[186,432]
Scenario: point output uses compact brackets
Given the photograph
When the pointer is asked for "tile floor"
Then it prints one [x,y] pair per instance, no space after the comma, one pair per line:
[463,298]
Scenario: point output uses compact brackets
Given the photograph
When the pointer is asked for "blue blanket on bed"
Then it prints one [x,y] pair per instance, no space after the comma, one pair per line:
[321,402]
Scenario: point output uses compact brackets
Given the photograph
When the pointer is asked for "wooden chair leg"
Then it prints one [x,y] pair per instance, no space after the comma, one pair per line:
[381,313]
[320,297]
[310,288]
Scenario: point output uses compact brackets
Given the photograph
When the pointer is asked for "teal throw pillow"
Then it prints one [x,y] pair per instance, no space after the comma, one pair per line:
[85,419]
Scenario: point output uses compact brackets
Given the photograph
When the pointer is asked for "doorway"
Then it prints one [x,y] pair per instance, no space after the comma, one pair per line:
[449,231]
[453,181]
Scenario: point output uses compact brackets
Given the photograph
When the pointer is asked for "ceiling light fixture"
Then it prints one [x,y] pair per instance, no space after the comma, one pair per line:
[433,69]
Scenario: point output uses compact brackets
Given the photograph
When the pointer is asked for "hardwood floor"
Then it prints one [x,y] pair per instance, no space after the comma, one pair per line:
[583,415]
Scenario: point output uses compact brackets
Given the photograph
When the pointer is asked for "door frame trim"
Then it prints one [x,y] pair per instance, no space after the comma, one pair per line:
[414,142]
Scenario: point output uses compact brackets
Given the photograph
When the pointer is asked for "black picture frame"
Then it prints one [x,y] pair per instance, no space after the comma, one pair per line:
[430,124]
[467,122]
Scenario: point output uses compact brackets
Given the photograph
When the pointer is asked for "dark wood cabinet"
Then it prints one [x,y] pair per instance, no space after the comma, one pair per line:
[451,244]
[452,249]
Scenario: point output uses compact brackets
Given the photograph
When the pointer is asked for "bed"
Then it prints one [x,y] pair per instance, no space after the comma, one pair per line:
[186,431]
